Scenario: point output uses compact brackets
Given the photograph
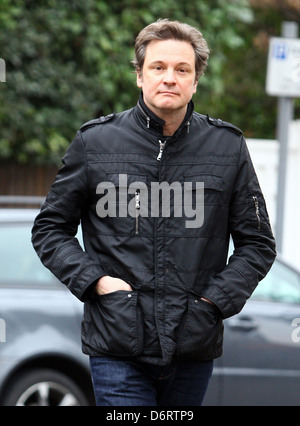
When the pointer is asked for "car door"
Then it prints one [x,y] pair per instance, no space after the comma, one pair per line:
[261,360]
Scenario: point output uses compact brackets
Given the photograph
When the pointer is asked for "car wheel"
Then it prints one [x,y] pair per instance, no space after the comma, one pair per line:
[44,387]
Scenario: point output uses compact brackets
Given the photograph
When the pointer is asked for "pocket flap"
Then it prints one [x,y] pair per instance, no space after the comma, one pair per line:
[123,179]
[210,181]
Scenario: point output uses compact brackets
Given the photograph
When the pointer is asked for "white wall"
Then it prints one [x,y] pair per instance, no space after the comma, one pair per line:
[265,156]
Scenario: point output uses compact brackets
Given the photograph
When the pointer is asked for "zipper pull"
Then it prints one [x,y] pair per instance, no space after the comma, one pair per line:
[257,211]
[188,126]
[161,149]
[137,200]
[137,208]
[144,114]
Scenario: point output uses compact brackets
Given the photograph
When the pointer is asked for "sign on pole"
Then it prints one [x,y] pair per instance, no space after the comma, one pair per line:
[283,71]
[283,80]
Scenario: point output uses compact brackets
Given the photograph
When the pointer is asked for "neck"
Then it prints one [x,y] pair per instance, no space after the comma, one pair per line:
[172,121]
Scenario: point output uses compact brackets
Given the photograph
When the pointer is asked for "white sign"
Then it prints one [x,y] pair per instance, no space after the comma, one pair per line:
[283,71]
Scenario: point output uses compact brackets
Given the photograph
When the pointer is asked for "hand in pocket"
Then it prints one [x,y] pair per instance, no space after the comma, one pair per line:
[107,284]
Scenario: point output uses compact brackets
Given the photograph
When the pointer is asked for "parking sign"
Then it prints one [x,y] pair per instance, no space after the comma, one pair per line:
[283,71]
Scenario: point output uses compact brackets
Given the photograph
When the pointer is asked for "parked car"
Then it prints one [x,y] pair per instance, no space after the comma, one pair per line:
[41,362]
[261,358]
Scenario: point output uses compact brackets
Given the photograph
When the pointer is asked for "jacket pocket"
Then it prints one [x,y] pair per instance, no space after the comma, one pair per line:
[202,333]
[117,325]
[213,185]
[202,197]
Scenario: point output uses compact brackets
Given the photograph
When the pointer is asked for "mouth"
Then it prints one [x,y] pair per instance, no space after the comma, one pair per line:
[167,92]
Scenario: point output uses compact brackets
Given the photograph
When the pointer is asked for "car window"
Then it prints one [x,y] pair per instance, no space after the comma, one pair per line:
[20,264]
[282,284]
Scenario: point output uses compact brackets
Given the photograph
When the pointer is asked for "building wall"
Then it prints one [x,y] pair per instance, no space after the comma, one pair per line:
[18,179]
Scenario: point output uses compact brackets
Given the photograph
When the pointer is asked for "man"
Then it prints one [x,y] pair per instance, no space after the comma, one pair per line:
[153,276]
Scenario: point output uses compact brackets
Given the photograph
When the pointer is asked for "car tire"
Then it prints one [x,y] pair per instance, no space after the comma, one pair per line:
[43,387]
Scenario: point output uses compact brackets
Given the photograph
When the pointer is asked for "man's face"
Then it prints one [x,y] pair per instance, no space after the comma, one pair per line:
[168,76]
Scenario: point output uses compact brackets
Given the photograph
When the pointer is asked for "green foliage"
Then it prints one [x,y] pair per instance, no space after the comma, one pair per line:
[68,61]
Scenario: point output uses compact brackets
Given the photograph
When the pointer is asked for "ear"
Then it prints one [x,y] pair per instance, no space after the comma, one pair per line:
[139,79]
[195,86]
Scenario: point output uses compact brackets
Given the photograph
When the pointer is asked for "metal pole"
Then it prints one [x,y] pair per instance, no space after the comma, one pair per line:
[285,116]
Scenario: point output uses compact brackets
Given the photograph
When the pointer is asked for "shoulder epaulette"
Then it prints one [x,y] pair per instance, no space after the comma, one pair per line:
[96,121]
[220,123]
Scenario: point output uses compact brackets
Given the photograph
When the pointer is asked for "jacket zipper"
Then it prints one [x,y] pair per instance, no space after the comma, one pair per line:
[188,126]
[161,149]
[145,115]
[257,212]
[137,210]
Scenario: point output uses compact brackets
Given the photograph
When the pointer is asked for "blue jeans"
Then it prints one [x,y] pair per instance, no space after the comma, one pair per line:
[125,382]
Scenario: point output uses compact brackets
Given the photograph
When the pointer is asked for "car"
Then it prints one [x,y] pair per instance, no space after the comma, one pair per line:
[41,362]
[260,365]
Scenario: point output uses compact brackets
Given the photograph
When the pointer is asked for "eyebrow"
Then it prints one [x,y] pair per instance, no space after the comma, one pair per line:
[179,64]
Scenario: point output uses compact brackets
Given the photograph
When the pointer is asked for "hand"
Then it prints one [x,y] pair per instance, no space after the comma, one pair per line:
[107,284]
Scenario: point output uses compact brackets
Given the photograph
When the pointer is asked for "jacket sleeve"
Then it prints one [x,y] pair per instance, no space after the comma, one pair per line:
[55,227]
[253,240]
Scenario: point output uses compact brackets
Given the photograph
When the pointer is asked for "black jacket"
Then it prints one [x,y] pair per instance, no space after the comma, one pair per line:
[169,264]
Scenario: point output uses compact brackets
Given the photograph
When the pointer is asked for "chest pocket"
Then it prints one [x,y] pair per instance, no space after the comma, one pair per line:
[202,198]
[213,186]
[123,201]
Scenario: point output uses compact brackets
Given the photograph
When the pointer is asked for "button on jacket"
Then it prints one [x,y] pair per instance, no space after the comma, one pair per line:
[134,192]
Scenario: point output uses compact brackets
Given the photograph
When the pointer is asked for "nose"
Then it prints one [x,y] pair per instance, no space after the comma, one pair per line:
[169,77]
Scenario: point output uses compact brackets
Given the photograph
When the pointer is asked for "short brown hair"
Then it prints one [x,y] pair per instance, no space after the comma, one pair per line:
[163,29]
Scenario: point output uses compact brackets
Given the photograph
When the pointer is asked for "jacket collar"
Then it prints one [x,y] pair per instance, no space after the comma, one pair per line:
[151,121]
